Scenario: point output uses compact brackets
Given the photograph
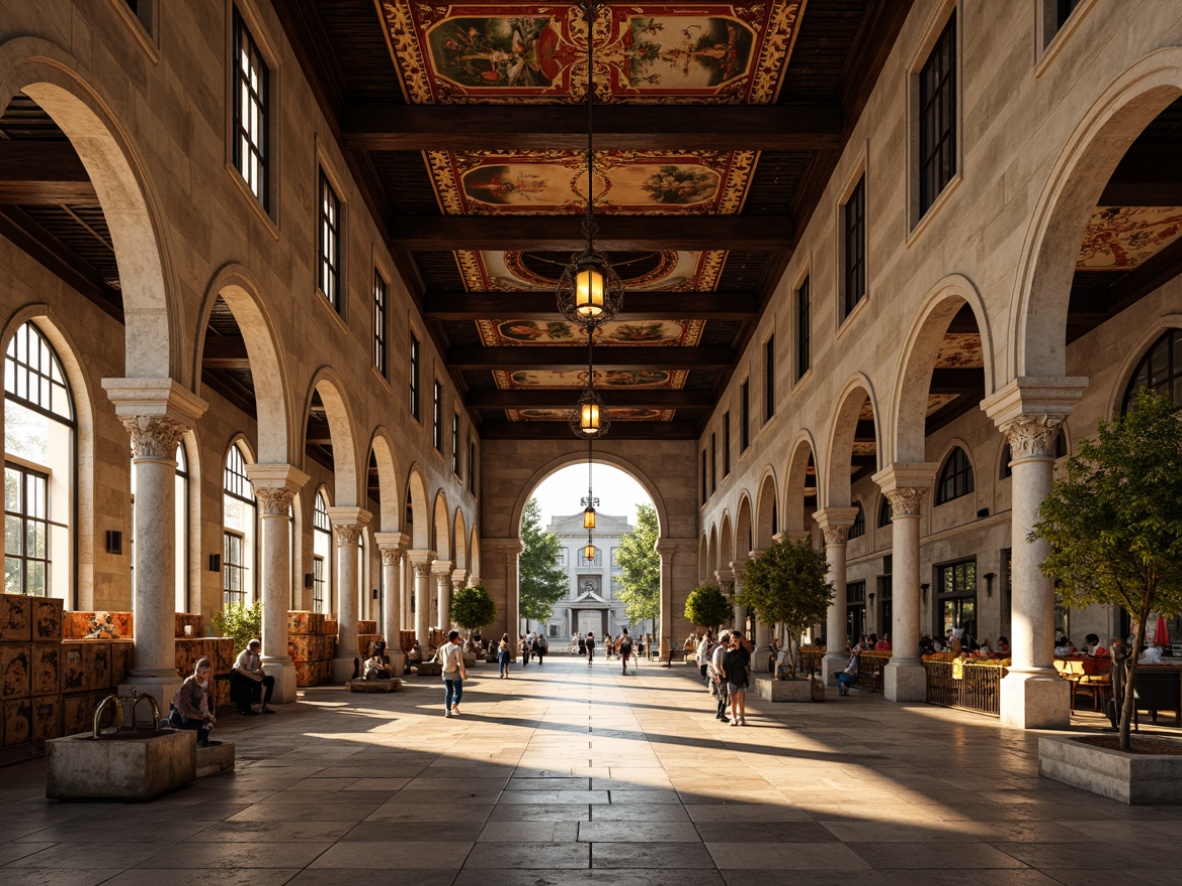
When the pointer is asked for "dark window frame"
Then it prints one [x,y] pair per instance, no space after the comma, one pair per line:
[769,379]
[415,358]
[937,117]
[956,477]
[713,462]
[234,567]
[329,232]
[380,351]
[803,338]
[1063,11]
[455,443]
[31,514]
[885,512]
[853,217]
[251,155]
[437,415]
[726,444]
[858,527]
[1159,369]
[705,486]
[745,416]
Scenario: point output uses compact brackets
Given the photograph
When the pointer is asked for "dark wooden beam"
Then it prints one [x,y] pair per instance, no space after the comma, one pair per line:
[60,259]
[618,127]
[616,233]
[620,430]
[43,172]
[543,305]
[224,352]
[958,381]
[1089,308]
[318,433]
[573,357]
[864,431]
[630,398]
[1148,175]
[225,384]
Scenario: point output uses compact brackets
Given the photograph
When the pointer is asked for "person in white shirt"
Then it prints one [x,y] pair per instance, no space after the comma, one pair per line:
[715,670]
[451,656]
[248,683]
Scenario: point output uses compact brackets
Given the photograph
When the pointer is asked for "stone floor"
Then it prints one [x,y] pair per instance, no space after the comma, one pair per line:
[574,775]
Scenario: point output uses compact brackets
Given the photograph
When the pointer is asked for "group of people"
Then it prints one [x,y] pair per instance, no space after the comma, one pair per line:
[193,706]
[533,645]
[725,666]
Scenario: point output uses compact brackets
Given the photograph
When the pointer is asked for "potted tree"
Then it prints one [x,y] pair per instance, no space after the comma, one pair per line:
[472,607]
[1114,524]
[787,583]
[707,607]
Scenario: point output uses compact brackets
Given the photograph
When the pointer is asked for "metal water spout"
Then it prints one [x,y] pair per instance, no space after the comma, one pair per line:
[98,714]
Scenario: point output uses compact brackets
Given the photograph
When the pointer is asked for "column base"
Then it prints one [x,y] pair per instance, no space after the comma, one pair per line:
[831,665]
[905,680]
[160,687]
[284,672]
[342,668]
[1039,699]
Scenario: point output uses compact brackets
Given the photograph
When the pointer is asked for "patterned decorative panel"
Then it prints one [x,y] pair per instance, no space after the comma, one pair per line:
[1119,238]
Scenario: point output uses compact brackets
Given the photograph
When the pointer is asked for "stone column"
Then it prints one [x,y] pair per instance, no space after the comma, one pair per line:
[762,640]
[274,488]
[442,571]
[156,414]
[420,562]
[667,551]
[1029,412]
[391,546]
[905,485]
[725,579]
[347,523]
[835,523]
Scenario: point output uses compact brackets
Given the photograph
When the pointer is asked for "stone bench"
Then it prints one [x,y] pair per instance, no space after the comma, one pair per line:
[428,669]
[391,685]
[215,758]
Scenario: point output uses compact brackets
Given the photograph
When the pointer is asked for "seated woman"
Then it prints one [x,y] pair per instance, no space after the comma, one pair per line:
[883,645]
[192,706]
[415,654]
[1064,647]
[1092,647]
[1003,646]
[983,651]
[377,666]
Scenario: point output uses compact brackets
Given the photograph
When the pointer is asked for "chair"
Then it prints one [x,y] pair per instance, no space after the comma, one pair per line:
[1158,689]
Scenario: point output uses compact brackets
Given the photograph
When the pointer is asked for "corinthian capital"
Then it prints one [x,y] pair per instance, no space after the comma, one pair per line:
[154,436]
[906,501]
[347,533]
[836,535]
[1032,436]
[274,501]
[390,554]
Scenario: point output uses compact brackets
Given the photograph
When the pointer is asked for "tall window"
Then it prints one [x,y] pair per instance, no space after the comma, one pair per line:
[321,556]
[238,530]
[597,560]
[713,462]
[726,444]
[1063,10]
[379,323]
[956,597]
[329,278]
[855,610]
[937,117]
[437,417]
[455,443]
[705,488]
[802,329]
[472,468]
[1160,370]
[854,242]
[858,528]
[885,512]
[251,109]
[414,379]
[956,477]
[38,468]
[744,416]
[769,378]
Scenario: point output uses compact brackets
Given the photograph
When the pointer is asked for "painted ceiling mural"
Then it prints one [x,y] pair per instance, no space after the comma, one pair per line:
[1119,238]
[708,53]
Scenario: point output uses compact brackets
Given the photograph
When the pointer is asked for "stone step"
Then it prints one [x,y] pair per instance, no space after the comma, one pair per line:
[215,758]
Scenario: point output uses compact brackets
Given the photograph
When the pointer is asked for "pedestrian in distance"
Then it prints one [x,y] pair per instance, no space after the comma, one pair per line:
[735,666]
[624,648]
[541,647]
[504,655]
[451,656]
[715,671]
[590,647]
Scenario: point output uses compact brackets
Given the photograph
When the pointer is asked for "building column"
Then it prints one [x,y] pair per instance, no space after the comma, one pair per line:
[667,551]
[391,545]
[835,523]
[1029,411]
[420,562]
[348,524]
[274,488]
[762,640]
[156,414]
[904,678]
[725,579]
[442,572]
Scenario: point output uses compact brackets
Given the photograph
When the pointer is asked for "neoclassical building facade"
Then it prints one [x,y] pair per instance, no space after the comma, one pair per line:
[238,395]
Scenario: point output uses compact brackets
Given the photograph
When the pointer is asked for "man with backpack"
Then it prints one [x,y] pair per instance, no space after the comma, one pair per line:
[624,648]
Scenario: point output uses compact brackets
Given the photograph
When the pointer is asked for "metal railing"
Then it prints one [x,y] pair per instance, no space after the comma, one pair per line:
[870,668]
[969,686]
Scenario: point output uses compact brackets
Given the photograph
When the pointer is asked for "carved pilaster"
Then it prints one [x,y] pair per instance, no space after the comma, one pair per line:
[154,436]
[906,501]
[1032,436]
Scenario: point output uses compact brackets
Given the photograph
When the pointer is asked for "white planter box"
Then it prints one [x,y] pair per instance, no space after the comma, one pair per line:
[789,690]
[1135,779]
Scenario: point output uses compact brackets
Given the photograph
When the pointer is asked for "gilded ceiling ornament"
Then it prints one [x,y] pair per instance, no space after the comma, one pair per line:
[1032,436]
[154,436]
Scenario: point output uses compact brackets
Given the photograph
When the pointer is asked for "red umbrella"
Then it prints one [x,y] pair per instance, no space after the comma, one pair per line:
[1162,636]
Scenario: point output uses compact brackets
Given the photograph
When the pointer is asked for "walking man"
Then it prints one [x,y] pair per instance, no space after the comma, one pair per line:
[590,647]
[624,648]
[716,669]
[451,656]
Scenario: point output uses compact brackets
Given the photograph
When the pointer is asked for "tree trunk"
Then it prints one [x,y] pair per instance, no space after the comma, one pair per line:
[1129,701]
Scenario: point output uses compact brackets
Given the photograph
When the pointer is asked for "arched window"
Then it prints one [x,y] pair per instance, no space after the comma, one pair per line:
[858,529]
[1159,370]
[238,530]
[1007,454]
[321,556]
[38,468]
[956,477]
[885,512]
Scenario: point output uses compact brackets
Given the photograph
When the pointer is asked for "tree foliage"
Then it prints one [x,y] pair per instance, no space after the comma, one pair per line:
[1114,523]
[788,583]
[542,581]
[473,607]
[707,607]
[640,564]
[240,621]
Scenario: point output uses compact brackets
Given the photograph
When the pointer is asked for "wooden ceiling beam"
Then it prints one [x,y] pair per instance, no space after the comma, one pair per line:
[559,430]
[958,381]
[43,172]
[224,352]
[318,433]
[1147,175]
[573,357]
[541,233]
[565,399]
[618,127]
[637,304]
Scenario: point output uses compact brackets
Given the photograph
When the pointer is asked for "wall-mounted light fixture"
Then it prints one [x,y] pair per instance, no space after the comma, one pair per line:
[114,541]
[215,562]
[307,579]
[375,593]
[872,598]
[989,576]
[923,592]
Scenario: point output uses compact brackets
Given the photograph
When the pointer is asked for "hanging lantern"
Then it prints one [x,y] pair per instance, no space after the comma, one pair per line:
[589,518]
[590,420]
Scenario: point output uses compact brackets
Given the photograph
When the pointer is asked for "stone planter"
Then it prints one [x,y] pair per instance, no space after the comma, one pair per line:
[789,690]
[1134,779]
[129,767]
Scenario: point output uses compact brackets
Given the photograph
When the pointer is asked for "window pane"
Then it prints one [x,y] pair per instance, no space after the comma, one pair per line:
[12,534]
[12,576]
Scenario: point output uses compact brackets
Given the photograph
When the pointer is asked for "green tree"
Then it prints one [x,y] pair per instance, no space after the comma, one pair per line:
[542,581]
[788,583]
[707,607]
[640,581]
[1114,523]
[241,622]
[473,607]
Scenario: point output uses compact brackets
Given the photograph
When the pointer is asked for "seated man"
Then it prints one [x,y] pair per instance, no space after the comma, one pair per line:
[377,666]
[247,681]
[849,676]
[415,654]
[192,706]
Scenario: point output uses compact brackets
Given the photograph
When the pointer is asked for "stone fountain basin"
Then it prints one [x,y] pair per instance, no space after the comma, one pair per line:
[119,766]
